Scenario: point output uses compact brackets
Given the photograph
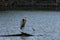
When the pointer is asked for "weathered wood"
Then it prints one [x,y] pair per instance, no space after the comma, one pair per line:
[23,34]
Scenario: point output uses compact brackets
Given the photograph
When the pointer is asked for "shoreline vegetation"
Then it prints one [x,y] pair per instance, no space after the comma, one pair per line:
[28,5]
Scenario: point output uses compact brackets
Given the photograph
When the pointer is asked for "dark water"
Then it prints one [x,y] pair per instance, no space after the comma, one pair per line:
[46,23]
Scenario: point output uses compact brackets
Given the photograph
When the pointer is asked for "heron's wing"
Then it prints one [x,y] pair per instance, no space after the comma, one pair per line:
[21,22]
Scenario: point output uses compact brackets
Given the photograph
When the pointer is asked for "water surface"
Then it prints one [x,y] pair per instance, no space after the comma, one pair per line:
[46,23]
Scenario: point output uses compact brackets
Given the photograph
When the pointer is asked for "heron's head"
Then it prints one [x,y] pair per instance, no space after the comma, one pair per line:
[25,18]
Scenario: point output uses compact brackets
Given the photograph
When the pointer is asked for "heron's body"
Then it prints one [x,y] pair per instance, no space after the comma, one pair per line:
[23,23]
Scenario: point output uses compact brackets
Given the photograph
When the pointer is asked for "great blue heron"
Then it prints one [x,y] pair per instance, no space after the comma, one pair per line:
[22,33]
[23,22]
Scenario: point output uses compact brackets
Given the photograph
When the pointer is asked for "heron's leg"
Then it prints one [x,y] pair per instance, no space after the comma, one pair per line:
[22,26]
